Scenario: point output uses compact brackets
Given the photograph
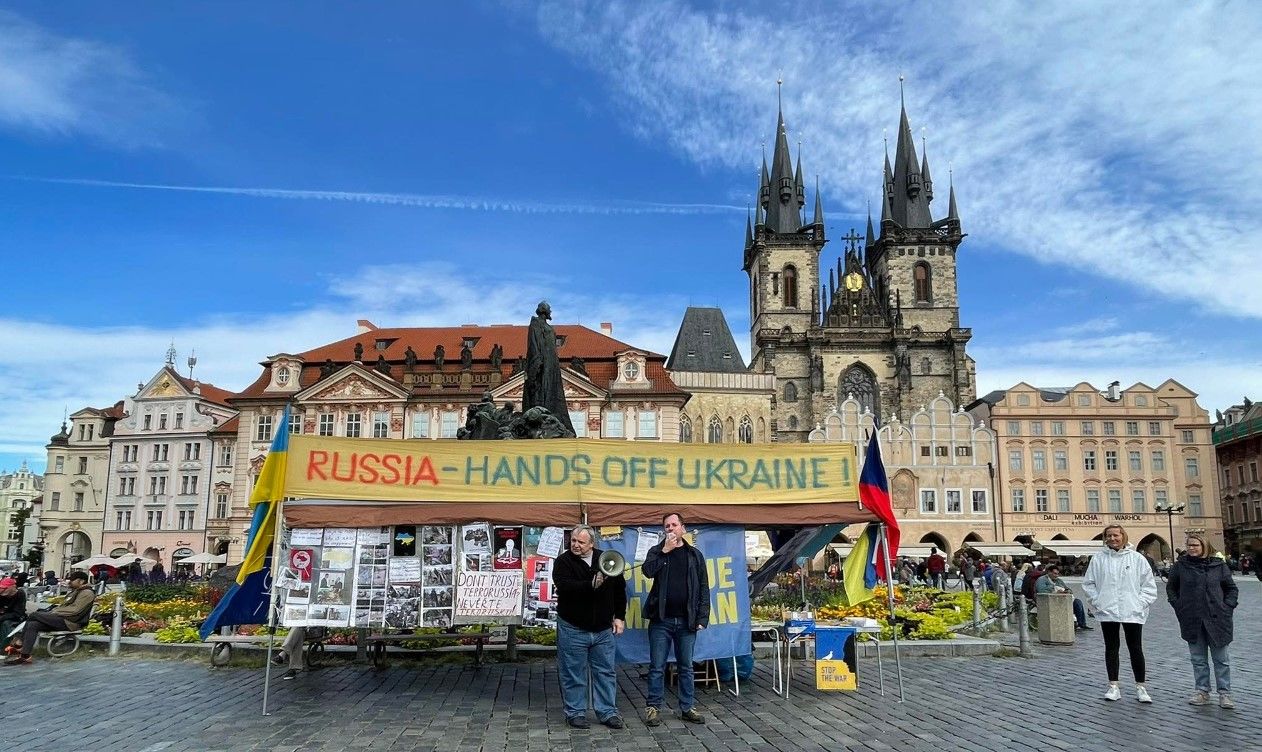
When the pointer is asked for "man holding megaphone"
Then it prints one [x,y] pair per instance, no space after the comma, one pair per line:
[591,611]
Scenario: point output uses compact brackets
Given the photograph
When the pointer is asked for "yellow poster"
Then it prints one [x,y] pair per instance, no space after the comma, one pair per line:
[569,471]
[834,675]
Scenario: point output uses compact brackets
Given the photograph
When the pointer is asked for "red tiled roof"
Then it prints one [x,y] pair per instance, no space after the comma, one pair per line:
[229,426]
[208,391]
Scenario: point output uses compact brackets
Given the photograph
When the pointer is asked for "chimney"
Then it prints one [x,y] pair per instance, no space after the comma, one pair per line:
[365,326]
[606,328]
[1115,391]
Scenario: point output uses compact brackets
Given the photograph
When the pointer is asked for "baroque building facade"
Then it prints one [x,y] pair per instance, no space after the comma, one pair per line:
[1238,448]
[882,324]
[76,480]
[1074,460]
[18,492]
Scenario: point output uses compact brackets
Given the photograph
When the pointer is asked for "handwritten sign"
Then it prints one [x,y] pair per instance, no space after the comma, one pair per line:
[483,597]
[550,542]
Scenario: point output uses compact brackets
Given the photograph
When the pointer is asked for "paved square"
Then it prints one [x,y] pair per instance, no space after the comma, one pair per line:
[987,704]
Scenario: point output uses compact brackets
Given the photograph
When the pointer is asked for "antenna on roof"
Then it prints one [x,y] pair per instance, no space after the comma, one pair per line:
[192,362]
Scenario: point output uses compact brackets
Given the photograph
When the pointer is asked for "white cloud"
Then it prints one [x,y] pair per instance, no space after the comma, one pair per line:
[59,85]
[1112,138]
[38,381]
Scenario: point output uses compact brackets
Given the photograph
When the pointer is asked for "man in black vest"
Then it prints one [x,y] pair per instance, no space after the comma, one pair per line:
[591,611]
[678,607]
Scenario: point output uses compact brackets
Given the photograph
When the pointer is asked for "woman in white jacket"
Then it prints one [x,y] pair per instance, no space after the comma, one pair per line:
[1120,587]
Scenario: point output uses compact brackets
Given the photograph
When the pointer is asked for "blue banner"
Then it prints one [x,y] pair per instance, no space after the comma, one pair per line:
[729,631]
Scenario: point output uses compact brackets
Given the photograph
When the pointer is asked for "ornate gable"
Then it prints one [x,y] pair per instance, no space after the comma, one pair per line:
[353,384]
[576,388]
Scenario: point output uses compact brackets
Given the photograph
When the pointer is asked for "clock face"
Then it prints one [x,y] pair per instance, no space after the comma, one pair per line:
[630,371]
[854,281]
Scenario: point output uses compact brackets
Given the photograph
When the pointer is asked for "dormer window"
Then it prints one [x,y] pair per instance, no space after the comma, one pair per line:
[282,375]
[631,371]
[727,354]
[383,344]
[471,342]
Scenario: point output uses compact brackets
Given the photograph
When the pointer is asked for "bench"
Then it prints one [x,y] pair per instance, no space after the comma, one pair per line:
[61,643]
[313,656]
[377,643]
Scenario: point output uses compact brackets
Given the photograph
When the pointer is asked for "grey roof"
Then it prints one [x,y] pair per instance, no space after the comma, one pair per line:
[908,211]
[702,343]
[1047,393]
[782,216]
[818,219]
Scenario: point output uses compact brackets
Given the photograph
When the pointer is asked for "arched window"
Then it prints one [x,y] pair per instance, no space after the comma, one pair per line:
[790,392]
[790,287]
[685,429]
[746,431]
[923,278]
[714,432]
[793,422]
[925,366]
[859,382]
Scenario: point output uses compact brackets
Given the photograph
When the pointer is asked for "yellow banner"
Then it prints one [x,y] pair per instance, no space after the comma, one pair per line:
[569,471]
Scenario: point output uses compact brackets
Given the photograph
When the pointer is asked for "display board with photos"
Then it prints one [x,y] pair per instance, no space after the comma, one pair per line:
[408,576]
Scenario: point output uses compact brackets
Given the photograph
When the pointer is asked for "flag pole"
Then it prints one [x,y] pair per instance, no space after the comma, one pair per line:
[271,600]
[889,592]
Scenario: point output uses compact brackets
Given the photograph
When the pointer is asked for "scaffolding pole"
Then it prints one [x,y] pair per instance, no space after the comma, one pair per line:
[889,592]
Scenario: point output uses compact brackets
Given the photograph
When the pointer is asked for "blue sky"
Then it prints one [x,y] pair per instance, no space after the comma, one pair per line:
[249,178]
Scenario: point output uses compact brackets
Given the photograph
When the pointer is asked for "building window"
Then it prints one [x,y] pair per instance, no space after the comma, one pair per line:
[133,455]
[420,425]
[148,422]
[1160,498]
[954,501]
[1132,428]
[1240,470]
[449,421]
[1139,502]
[1060,459]
[179,420]
[54,502]
[1040,500]
[793,422]
[1018,499]
[83,465]
[714,431]
[790,287]
[1110,459]
[1109,428]
[1084,400]
[790,392]
[153,519]
[1036,428]
[1136,462]
[1093,500]
[1062,500]
[324,424]
[980,501]
[923,279]
[578,419]
[186,519]
[59,465]
[129,486]
[745,433]
[1188,437]
[1253,471]
[122,520]
[647,424]
[1192,467]
[295,424]
[1154,428]
[354,425]
[858,382]
[1058,428]
[1158,460]
[1014,428]
[1014,459]
[964,451]
[1038,460]
[1115,500]
[1088,459]
[685,429]
[189,449]
[381,425]
[1196,509]
[162,422]
[1023,400]
[263,428]
[613,424]
[221,505]
[188,484]
[1141,401]
[928,501]
[1088,428]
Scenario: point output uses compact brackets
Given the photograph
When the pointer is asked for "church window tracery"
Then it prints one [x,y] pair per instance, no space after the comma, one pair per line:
[714,432]
[859,382]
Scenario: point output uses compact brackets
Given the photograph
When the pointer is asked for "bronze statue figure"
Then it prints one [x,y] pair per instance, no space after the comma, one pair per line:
[544,387]
[359,352]
[466,356]
[409,357]
[439,356]
[497,356]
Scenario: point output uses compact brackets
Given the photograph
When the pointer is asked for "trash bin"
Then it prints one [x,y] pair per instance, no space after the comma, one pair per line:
[1056,618]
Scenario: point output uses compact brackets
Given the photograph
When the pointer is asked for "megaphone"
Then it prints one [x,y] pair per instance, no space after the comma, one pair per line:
[612,564]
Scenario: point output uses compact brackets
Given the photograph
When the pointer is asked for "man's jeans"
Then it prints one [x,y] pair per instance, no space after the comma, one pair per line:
[1200,664]
[661,635]
[577,650]
[1080,614]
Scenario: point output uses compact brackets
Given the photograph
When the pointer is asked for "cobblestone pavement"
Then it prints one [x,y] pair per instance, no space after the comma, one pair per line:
[1051,702]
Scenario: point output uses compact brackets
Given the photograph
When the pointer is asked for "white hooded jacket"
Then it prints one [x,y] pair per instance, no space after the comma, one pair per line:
[1119,585]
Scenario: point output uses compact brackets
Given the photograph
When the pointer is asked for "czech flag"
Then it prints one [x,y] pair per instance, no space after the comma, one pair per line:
[874,493]
[247,601]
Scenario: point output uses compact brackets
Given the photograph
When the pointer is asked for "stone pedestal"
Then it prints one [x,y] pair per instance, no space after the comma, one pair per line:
[1056,618]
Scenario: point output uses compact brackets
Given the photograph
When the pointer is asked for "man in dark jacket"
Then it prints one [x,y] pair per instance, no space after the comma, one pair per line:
[677,607]
[71,615]
[12,609]
[591,611]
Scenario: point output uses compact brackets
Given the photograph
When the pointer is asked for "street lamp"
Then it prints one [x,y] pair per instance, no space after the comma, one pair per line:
[1170,510]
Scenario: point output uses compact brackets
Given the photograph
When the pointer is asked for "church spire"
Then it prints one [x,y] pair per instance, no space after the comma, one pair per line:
[818,219]
[910,202]
[749,229]
[924,170]
[952,212]
[783,197]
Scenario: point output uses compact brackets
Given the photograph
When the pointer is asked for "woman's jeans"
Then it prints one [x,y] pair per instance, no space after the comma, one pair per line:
[1202,652]
[661,634]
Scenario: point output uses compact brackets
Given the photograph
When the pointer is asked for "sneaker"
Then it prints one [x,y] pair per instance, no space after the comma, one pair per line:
[18,660]
[1200,698]
[1141,694]
[1114,693]
[578,722]
[280,658]
[652,717]
[692,716]
[290,674]
[1225,701]
[614,722]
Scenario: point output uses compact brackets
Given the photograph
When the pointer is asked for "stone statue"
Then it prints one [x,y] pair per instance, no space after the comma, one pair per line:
[359,352]
[817,374]
[543,370]
[328,368]
[466,356]
[440,355]
[409,357]
[577,365]
[483,421]
[497,356]
[382,366]
[519,365]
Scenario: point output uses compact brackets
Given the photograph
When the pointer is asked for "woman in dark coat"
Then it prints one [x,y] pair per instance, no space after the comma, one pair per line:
[1204,596]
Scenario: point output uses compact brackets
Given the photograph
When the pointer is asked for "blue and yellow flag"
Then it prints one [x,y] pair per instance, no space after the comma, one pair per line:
[246,602]
[859,569]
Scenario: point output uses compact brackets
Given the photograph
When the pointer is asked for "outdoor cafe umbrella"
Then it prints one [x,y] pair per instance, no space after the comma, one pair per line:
[126,560]
[96,560]
[204,559]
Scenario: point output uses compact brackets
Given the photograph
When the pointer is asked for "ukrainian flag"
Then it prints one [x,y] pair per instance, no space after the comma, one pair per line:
[859,570]
[247,601]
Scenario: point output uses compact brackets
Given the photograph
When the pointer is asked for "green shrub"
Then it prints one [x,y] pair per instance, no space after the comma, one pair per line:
[95,628]
[178,633]
[159,593]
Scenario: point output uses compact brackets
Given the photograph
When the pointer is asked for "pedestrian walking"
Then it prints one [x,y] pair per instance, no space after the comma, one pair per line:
[1204,597]
[1120,588]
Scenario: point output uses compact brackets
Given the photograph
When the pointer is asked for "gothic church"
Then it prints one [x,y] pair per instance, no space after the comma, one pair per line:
[881,324]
